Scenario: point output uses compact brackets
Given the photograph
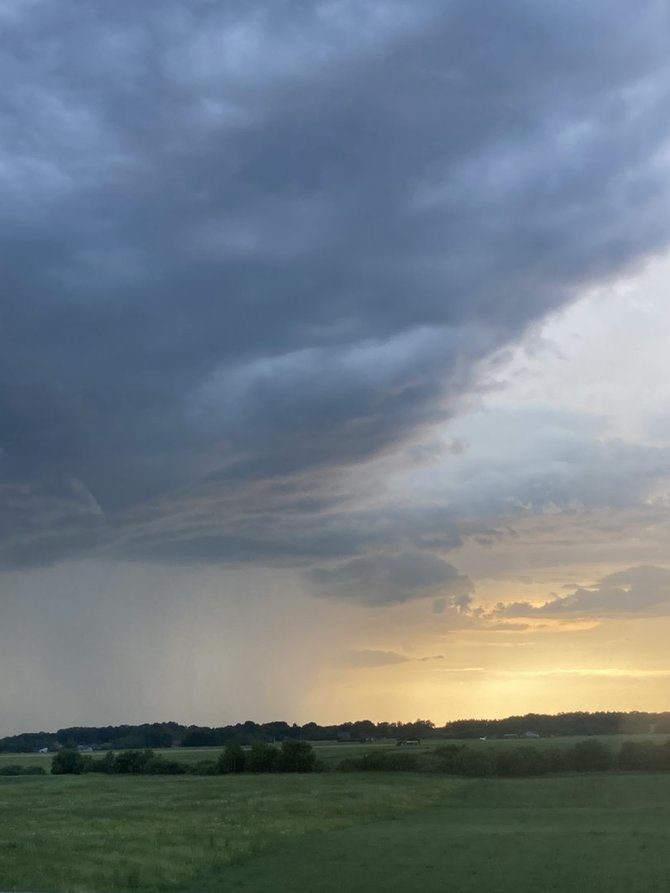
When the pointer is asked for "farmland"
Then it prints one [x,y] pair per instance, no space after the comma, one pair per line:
[333,831]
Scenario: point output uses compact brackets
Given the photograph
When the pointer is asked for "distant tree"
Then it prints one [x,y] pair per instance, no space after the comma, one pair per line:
[232,760]
[132,761]
[68,762]
[262,758]
[296,756]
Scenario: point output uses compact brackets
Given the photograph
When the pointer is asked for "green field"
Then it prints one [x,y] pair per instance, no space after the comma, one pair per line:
[335,832]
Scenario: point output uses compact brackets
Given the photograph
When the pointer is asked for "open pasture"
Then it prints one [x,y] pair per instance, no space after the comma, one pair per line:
[334,832]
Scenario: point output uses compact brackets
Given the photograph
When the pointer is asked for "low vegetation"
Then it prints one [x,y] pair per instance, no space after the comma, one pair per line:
[118,833]
[292,756]
[605,833]
[586,755]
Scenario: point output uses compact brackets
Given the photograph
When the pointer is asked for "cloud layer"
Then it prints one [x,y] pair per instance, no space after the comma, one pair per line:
[247,250]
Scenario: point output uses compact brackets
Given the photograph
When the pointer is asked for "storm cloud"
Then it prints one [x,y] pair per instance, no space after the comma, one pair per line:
[247,248]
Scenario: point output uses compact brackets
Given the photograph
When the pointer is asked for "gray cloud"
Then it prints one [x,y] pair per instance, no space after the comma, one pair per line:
[638,590]
[248,244]
[381,580]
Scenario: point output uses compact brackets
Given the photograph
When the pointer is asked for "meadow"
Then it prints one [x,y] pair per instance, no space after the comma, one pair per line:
[335,832]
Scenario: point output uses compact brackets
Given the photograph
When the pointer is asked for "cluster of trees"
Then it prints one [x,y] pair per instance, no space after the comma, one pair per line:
[292,756]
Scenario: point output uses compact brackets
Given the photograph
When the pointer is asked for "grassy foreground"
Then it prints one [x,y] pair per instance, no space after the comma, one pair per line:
[118,833]
[336,832]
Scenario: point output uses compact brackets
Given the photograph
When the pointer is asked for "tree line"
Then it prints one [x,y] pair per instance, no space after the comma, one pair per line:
[161,735]
[167,734]
[291,756]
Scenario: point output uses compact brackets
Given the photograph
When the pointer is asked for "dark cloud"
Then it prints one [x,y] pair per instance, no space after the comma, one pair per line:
[242,243]
[382,580]
[638,590]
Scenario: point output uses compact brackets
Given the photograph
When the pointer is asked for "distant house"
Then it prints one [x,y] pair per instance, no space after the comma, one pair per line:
[531,735]
[84,748]
[43,750]
[407,742]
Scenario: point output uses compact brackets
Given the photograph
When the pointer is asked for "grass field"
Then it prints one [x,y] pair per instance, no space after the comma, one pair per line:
[117,833]
[335,832]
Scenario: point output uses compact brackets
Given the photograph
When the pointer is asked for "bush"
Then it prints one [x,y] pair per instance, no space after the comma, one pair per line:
[132,761]
[521,762]
[233,759]
[296,756]
[202,767]
[69,762]
[262,758]
[350,764]
[591,756]
[157,765]
[643,757]
[380,762]
[102,766]
[446,757]
[475,763]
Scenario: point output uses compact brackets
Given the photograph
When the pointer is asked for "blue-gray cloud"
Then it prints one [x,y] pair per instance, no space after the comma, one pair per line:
[382,580]
[637,590]
[248,244]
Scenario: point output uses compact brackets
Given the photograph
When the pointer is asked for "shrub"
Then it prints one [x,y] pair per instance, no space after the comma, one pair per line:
[202,767]
[527,761]
[296,756]
[591,756]
[69,762]
[262,758]
[446,757]
[132,761]
[475,763]
[233,759]
[643,756]
[157,765]
[350,764]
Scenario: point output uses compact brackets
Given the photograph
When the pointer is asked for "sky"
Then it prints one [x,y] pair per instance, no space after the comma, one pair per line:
[334,348]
